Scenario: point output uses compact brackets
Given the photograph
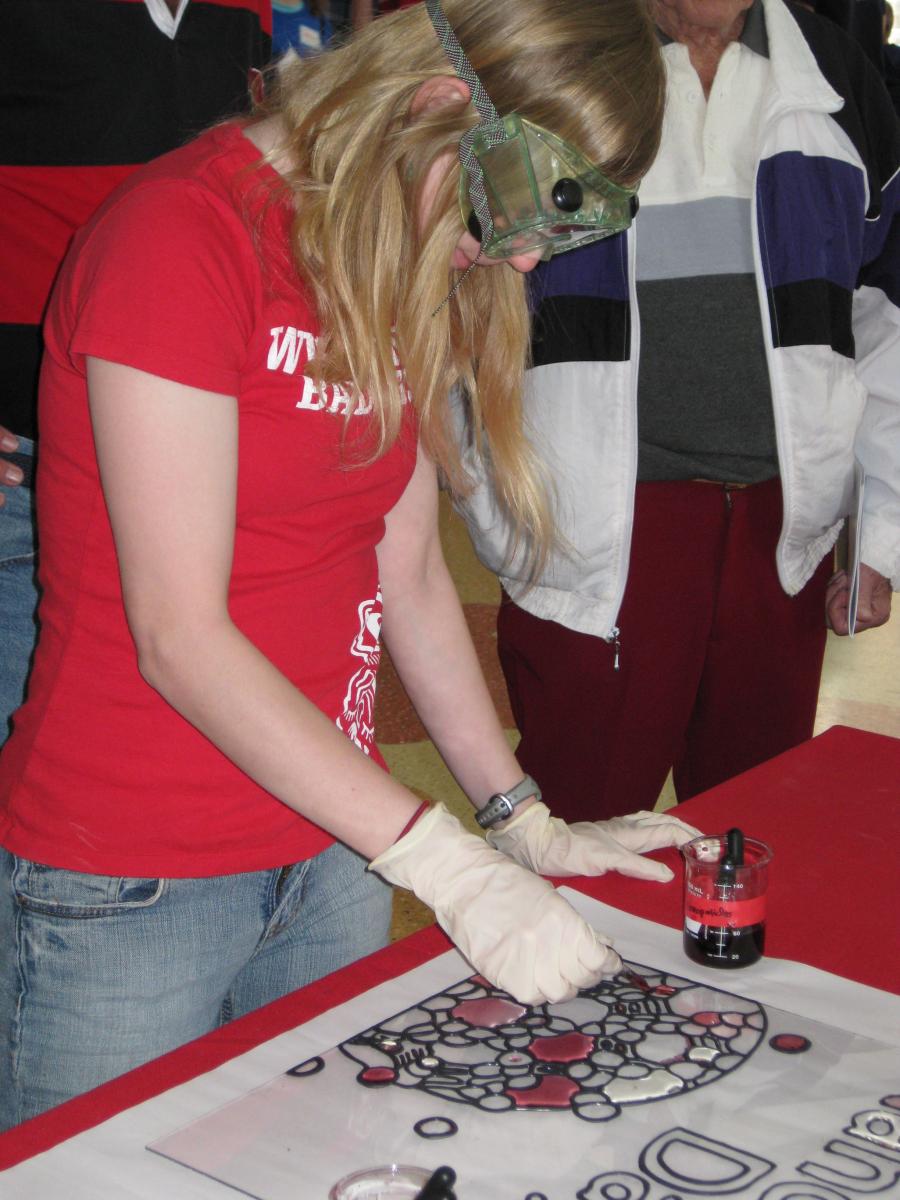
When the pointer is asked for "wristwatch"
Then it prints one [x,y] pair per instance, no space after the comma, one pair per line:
[500,806]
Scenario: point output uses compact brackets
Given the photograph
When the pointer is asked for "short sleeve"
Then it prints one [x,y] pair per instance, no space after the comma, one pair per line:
[165,280]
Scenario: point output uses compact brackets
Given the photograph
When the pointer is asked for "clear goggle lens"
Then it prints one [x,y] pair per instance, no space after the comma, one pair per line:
[542,194]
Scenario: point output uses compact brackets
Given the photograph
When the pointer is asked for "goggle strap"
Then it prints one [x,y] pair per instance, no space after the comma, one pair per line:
[490,127]
[460,61]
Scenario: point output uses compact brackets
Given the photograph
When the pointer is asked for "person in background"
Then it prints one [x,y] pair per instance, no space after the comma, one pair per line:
[303,26]
[341,15]
[891,59]
[863,20]
[700,387]
[244,410]
[364,11]
[90,89]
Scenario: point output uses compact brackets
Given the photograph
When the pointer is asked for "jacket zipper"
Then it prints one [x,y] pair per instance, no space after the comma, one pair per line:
[614,637]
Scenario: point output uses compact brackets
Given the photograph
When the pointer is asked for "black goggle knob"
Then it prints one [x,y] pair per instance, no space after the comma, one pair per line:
[567,195]
[474,226]
[635,205]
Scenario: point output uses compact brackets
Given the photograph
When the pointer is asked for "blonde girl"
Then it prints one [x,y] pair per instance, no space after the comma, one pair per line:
[244,416]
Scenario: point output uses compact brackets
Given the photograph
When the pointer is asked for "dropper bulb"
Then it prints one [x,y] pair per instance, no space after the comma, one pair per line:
[734,840]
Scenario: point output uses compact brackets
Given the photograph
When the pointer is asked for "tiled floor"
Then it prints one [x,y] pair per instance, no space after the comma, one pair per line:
[860,687]
[861,680]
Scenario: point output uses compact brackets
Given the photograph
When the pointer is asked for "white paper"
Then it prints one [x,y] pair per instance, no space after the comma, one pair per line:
[112,1160]
[854,543]
[657,1079]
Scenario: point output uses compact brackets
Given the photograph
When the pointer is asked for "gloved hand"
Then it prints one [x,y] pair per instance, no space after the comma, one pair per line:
[512,926]
[549,846]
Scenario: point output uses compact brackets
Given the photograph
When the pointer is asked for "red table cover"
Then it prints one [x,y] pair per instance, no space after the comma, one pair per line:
[830,809]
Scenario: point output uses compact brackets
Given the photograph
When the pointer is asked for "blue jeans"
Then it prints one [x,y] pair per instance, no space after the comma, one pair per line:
[99,974]
[18,591]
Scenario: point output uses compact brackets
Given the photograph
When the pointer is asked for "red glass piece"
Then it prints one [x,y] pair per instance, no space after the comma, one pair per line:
[377,1075]
[554,1091]
[663,990]
[790,1043]
[567,1047]
[489,1012]
[637,980]
[706,1018]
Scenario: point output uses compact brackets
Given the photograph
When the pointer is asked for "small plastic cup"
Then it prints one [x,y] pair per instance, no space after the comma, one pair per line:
[726,877]
[393,1182]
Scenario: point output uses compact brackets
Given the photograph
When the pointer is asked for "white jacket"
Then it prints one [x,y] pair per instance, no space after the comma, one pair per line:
[825,105]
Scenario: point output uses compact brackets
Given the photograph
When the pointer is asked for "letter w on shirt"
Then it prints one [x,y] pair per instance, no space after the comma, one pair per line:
[288,345]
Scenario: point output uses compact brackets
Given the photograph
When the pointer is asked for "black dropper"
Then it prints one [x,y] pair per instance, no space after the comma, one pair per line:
[439,1186]
[732,859]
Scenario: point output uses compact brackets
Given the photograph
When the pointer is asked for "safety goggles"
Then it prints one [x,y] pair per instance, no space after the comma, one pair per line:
[522,188]
[542,194]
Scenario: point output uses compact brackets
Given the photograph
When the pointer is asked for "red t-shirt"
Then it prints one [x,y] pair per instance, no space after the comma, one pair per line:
[185,273]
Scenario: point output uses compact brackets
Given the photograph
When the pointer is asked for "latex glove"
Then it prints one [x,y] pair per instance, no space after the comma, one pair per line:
[549,846]
[512,926]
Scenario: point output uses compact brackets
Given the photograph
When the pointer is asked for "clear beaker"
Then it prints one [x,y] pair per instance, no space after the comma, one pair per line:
[726,877]
[393,1182]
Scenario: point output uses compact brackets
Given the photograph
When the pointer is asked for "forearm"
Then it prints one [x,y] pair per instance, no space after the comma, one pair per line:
[218,681]
[430,645]
[172,510]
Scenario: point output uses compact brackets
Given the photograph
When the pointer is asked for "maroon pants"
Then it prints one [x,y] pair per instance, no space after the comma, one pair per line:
[718,668]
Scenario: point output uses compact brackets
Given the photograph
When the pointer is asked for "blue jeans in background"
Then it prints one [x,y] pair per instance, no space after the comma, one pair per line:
[99,974]
[18,588]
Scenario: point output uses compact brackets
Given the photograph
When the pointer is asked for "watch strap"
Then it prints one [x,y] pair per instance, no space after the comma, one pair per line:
[501,805]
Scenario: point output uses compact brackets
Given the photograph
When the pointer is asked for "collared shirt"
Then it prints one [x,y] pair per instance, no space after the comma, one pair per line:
[704,400]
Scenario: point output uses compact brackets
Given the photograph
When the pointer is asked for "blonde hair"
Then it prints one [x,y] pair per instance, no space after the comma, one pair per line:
[588,70]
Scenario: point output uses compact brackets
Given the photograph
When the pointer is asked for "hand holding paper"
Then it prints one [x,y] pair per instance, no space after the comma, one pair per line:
[870,608]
